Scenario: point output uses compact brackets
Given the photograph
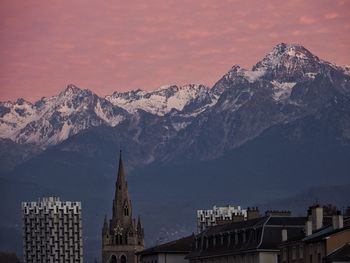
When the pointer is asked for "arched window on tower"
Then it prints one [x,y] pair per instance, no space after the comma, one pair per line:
[119,239]
[126,210]
[113,259]
[123,259]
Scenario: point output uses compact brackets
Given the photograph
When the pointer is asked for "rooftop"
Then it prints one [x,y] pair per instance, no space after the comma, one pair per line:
[263,233]
[342,254]
[182,245]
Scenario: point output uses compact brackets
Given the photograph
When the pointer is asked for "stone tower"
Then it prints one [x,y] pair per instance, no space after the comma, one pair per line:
[122,237]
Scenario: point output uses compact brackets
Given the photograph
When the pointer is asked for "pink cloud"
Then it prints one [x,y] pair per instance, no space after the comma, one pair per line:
[331,15]
[306,20]
[64,46]
[194,34]
[103,44]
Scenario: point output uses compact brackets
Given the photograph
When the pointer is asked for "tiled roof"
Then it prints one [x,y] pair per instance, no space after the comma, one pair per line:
[340,255]
[321,233]
[262,233]
[182,245]
[230,227]
[324,232]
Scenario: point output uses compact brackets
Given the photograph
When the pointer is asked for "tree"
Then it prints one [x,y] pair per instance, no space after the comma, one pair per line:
[9,257]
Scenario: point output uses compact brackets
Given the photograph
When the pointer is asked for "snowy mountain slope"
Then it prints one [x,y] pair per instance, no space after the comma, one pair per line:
[54,119]
[288,83]
[162,100]
[14,116]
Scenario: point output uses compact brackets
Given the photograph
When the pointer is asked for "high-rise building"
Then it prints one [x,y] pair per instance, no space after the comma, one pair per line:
[218,215]
[122,237]
[52,231]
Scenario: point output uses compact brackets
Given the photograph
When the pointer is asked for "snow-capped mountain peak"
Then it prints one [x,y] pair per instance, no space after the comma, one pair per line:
[287,55]
[282,61]
[159,101]
[53,119]
[291,63]
[288,80]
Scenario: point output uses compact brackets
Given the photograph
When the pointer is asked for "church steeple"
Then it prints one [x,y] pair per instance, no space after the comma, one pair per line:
[121,205]
[122,237]
[121,174]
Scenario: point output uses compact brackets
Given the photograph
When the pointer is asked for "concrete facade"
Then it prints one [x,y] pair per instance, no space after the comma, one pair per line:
[317,241]
[210,217]
[52,231]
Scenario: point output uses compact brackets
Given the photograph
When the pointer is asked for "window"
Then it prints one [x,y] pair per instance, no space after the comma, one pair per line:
[113,259]
[301,251]
[284,254]
[123,259]
[294,253]
[126,211]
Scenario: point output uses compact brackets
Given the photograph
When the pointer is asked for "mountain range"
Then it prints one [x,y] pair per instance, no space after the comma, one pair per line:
[257,135]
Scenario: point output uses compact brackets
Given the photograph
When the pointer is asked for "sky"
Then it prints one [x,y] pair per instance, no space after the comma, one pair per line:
[117,45]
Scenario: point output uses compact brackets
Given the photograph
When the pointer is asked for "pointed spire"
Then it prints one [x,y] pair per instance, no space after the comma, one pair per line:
[105,220]
[122,210]
[121,173]
[139,226]
[105,226]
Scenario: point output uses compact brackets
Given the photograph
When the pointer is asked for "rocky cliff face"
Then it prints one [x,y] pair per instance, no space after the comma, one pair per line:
[288,84]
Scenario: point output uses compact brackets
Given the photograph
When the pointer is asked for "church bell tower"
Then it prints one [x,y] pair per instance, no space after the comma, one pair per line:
[122,237]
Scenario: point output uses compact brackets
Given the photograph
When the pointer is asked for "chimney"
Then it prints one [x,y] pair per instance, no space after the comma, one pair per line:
[308,228]
[317,217]
[284,235]
[238,218]
[223,221]
[252,213]
[337,221]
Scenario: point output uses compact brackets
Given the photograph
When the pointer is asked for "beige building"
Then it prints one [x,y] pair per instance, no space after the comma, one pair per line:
[321,237]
